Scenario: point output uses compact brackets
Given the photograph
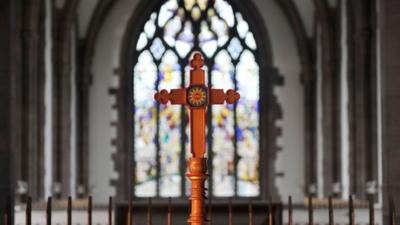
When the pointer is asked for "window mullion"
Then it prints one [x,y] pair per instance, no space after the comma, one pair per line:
[235,154]
[210,153]
[184,137]
[158,146]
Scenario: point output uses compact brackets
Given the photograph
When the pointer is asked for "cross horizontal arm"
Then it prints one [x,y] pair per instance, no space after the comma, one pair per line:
[218,97]
[176,96]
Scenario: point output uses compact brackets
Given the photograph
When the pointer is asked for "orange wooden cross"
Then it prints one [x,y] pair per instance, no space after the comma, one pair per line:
[197,97]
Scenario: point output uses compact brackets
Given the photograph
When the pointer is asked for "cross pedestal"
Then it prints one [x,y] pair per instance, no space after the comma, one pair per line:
[197,97]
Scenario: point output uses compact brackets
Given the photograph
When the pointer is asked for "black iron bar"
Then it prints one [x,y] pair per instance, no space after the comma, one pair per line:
[351,208]
[250,213]
[48,211]
[69,211]
[290,211]
[169,215]
[129,214]
[28,211]
[110,210]
[5,217]
[330,206]
[371,210]
[270,218]
[89,210]
[7,212]
[230,222]
[149,213]
[351,211]
[393,213]
[310,211]
[209,208]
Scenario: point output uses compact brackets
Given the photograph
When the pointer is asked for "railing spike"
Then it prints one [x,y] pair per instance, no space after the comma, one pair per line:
[371,210]
[230,221]
[28,211]
[110,202]
[393,212]
[290,211]
[270,217]
[69,211]
[7,211]
[48,211]
[209,209]
[149,212]
[89,210]
[330,206]
[351,211]
[250,213]
[169,215]
[310,211]
[129,219]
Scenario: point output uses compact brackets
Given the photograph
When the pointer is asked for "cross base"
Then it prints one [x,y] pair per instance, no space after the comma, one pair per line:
[197,175]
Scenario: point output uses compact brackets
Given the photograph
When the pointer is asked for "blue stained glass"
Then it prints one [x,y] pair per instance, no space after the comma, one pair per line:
[242,27]
[170,133]
[142,42]
[250,41]
[219,27]
[150,27]
[235,48]
[225,11]
[157,48]
[247,129]
[171,29]
[184,43]
[167,10]
[223,130]
[145,75]
[169,47]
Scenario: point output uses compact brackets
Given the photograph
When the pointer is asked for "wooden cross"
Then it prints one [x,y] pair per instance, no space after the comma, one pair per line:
[197,97]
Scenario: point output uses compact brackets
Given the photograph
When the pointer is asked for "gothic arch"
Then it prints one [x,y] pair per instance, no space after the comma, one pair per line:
[100,20]
[268,116]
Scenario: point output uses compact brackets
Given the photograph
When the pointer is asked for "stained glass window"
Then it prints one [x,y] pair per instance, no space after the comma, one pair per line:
[161,140]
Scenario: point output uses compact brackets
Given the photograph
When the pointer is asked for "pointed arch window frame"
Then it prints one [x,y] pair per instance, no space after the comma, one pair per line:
[268,78]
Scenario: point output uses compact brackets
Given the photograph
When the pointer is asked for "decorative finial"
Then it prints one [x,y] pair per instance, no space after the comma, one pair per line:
[197,61]
[232,96]
[162,96]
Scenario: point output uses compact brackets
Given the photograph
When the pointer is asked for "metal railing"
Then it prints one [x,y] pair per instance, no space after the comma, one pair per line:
[269,216]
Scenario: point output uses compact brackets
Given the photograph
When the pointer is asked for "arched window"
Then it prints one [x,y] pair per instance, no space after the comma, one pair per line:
[171,33]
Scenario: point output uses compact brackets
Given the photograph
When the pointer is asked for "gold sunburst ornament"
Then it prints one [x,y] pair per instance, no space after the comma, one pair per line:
[197,96]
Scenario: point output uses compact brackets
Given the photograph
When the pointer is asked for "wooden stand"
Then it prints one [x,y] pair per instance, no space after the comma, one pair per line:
[197,97]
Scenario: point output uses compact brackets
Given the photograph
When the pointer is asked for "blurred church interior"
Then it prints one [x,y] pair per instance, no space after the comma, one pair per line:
[319,113]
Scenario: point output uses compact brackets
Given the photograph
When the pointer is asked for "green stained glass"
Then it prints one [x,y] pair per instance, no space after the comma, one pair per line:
[223,130]
[145,126]
[161,133]
[170,132]
[247,129]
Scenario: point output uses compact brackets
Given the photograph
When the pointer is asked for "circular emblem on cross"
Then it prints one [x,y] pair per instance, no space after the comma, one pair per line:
[197,96]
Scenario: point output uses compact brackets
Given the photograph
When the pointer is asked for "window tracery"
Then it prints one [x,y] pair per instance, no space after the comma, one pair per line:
[161,133]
